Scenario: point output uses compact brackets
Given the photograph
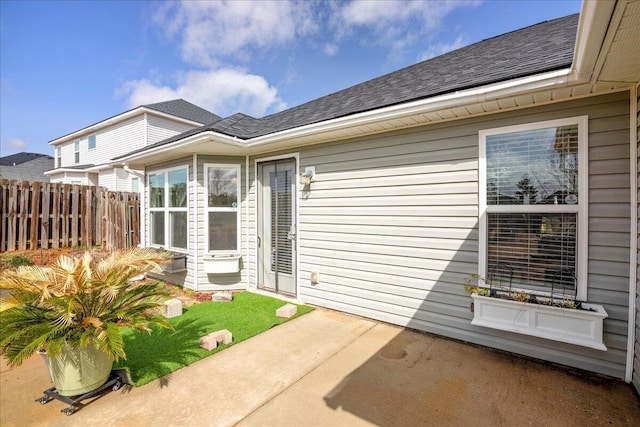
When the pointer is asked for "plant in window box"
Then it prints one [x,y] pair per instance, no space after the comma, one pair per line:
[559,318]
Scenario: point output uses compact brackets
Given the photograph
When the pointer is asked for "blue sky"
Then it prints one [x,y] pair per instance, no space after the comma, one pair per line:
[65,65]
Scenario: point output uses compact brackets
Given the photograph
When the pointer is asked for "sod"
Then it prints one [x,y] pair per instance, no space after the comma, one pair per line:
[151,356]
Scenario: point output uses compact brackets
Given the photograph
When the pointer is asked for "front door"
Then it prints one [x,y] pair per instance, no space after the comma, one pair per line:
[277,226]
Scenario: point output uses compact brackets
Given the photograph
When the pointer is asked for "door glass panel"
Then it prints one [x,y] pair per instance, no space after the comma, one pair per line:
[281,221]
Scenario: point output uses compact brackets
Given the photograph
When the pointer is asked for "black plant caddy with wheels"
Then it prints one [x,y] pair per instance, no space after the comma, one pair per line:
[117,379]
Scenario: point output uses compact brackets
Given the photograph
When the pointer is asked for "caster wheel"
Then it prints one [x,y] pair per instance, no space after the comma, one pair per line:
[117,386]
[43,400]
[68,411]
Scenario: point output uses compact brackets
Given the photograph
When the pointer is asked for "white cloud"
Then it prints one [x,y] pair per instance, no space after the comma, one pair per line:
[16,143]
[440,48]
[211,30]
[330,49]
[395,23]
[224,92]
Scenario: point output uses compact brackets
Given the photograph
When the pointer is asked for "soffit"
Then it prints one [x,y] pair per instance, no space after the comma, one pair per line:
[619,59]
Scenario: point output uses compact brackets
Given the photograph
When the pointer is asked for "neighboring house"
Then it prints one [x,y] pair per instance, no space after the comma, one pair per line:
[381,199]
[85,156]
[26,167]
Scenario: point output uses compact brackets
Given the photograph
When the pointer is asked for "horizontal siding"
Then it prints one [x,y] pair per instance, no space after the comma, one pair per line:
[159,128]
[636,359]
[391,226]
[113,141]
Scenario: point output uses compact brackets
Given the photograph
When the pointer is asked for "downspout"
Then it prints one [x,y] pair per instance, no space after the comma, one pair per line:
[195,221]
[143,193]
[633,247]
[246,207]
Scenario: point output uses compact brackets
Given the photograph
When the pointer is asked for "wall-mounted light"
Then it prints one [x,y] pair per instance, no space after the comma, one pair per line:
[309,175]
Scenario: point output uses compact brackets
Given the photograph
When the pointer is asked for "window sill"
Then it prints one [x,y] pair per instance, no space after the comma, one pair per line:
[222,264]
[579,327]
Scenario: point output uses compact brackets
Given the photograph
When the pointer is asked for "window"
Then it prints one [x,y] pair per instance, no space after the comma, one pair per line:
[91,144]
[223,214]
[533,206]
[135,188]
[168,208]
[76,151]
[58,156]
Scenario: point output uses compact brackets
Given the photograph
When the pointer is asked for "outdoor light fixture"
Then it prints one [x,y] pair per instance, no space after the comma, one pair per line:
[309,175]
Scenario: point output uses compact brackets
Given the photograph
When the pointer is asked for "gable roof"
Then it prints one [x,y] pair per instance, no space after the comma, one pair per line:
[178,108]
[539,48]
[20,158]
[185,110]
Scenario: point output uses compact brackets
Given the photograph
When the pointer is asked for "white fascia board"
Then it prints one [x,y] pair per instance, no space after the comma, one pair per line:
[558,78]
[592,29]
[185,142]
[120,118]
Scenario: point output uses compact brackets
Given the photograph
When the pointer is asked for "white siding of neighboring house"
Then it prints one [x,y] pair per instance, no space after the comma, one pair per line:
[123,179]
[391,226]
[113,141]
[106,179]
[160,128]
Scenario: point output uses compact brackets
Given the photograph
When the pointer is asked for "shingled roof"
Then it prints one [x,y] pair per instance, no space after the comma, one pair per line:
[20,158]
[532,50]
[185,110]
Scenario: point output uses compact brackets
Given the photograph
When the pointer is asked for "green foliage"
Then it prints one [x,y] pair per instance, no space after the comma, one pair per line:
[475,289]
[16,261]
[79,302]
[164,351]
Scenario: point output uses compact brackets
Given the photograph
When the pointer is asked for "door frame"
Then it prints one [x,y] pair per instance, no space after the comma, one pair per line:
[258,188]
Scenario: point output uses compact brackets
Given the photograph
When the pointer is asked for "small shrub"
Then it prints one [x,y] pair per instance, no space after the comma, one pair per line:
[16,261]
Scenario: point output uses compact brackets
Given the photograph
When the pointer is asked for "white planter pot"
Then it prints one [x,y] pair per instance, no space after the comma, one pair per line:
[579,327]
[222,264]
[176,264]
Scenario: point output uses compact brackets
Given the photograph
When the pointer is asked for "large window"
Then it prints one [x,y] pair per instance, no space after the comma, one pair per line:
[58,156]
[168,208]
[91,142]
[533,206]
[223,212]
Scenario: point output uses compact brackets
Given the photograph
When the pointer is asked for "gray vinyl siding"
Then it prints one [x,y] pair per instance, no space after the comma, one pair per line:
[185,278]
[636,359]
[391,226]
[209,282]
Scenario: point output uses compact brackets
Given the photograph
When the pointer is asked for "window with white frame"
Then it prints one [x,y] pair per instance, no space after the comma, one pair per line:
[533,206]
[76,151]
[168,208]
[223,212]
[58,156]
[91,142]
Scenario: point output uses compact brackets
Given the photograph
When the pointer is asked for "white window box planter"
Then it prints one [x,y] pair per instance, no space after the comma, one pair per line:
[221,264]
[579,327]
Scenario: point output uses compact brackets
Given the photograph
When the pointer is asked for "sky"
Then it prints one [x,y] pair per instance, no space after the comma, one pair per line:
[65,65]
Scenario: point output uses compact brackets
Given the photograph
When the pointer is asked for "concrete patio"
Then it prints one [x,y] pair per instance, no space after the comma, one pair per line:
[331,369]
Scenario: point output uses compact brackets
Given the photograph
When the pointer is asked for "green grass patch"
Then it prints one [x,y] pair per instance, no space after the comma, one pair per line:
[151,356]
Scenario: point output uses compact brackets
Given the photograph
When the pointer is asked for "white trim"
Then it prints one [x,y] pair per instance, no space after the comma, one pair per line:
[296,157]
[582,209]
[247,213]
[633,247]
[238,210]
[195,221]
[166,209]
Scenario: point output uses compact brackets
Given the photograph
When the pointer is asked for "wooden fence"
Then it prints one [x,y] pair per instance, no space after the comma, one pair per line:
[46,215]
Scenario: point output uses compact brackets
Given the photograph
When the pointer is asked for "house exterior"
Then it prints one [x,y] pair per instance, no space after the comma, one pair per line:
[25,166]
[85,156]
[383,199]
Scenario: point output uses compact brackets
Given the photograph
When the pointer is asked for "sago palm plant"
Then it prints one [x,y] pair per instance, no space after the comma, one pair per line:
[79,302]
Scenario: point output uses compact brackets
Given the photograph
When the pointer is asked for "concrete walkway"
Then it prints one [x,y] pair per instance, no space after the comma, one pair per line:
[332,369]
